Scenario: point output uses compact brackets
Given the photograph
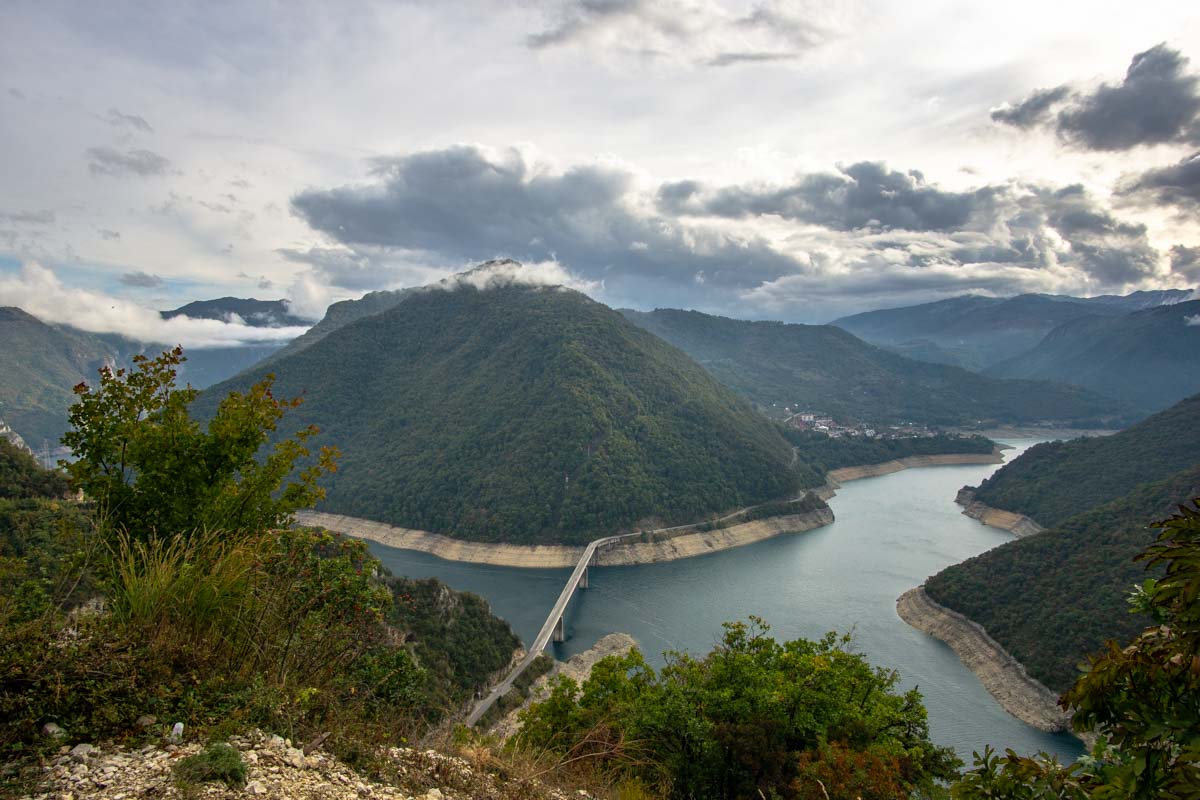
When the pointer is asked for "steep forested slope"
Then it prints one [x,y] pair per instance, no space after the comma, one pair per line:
[1053,598]
[1150,359]
[525,414]
[825,368]
[1053,481]
[39,364]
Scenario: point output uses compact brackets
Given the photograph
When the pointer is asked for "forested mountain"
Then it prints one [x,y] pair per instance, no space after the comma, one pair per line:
[825,368]
[41,363]
[257,313]
[1150,359]
[342,313]
[1053,598]
[975,332]
[525,414]
[1054,481]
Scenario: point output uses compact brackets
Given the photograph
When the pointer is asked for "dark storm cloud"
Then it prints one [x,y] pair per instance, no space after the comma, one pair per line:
[863,195]
[732,59]
[577,17]
[1033,109]
[109,161]
[142,280]
[137,123]
[704,33]
[1174,185]
[1158,102]
[1185,262]
[865,226]
[459,204]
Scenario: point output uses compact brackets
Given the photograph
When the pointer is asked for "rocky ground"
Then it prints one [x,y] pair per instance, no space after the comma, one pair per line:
[275,769]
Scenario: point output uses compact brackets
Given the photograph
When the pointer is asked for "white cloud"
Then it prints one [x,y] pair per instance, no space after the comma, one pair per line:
[37,290]
[1192,320]
[506,272]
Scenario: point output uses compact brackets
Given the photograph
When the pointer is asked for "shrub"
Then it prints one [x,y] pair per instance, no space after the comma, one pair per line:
[217,762]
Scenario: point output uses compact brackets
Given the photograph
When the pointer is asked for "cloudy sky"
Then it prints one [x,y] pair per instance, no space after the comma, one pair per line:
[761,159]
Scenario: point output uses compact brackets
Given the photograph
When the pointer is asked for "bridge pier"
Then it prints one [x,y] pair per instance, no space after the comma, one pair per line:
[583,579]
[560,634]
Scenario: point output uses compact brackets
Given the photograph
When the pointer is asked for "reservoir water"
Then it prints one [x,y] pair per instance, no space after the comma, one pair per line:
[890,534]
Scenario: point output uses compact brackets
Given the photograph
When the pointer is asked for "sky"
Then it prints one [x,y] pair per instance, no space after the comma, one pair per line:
[763,159]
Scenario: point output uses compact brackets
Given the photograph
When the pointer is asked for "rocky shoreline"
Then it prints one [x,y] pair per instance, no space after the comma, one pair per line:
[1017,524]
[1002,675]
[658,548]
[667,548]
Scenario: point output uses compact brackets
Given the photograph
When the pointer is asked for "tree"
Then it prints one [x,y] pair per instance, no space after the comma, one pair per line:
[1143,699]
[753,718]
[153,470]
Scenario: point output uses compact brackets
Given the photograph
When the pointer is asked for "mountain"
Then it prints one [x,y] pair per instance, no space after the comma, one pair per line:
[41,363]
[1053,481]
[824,368]
[524,414]
[1053,598]
[975,332]
[1150,358]
[256,313]
[342,313]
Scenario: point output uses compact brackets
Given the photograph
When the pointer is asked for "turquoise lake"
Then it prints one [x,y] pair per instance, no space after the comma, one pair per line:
[890,534]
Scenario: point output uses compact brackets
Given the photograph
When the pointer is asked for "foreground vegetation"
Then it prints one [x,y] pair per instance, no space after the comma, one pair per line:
[204,607]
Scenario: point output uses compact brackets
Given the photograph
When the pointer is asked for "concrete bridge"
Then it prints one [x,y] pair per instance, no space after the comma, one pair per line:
[552,629]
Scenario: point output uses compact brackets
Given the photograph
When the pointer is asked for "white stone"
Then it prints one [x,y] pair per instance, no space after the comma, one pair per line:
[256,787]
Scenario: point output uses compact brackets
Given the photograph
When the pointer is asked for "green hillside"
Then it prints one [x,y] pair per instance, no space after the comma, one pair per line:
[1149,359]
[525,415]
[1053,598]
[39,364]
[1053,481]
[825,368]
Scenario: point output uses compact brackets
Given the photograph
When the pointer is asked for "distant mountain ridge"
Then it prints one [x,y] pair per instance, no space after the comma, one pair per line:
[825,368]
[256,313]
[524,414]
[975,331]
[1149,358]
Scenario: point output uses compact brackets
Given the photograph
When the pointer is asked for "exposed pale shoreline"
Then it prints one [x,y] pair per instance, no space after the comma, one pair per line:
[684,544]
[1002,675]
[1017,524]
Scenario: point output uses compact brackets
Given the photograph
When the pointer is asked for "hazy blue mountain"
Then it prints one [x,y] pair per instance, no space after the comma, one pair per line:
[258,313]
[824,368]
[1150,359]
[975,332]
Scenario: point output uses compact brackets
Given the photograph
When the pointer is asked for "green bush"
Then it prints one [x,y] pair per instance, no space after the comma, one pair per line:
[217,762]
